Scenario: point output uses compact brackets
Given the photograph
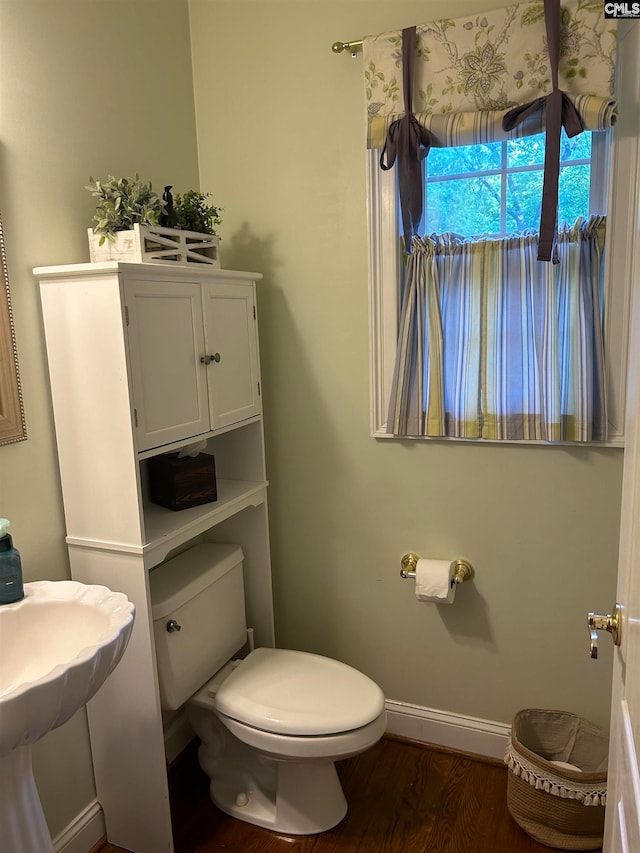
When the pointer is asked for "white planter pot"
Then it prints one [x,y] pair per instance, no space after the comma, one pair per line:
[153,244]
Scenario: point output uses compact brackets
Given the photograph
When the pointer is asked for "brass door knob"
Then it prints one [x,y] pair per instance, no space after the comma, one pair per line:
[611,622]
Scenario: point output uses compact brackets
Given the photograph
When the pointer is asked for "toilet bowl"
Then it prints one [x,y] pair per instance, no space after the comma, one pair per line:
[271,729]
[271,725]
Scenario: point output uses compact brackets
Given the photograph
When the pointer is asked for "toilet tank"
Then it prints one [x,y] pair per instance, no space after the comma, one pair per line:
[202,591]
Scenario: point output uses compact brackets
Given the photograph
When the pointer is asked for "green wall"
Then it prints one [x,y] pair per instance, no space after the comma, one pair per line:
[280,141]
[105,86]
[87,87]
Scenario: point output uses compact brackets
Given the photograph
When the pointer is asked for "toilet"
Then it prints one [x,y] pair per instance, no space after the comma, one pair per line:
[271,725]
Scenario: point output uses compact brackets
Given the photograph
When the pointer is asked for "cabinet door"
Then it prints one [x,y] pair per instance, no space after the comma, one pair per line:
[166,343]
[231,340]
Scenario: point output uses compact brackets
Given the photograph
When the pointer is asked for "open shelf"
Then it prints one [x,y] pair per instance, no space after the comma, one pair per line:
[166,530]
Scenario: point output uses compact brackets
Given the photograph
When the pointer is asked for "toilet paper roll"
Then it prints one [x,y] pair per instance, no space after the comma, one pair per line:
[435,581]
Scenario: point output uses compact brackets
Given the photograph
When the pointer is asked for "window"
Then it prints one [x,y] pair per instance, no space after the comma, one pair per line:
[496,188]
[510,175]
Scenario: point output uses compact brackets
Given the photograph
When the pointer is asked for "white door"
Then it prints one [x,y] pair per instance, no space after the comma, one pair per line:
[232,347]
[622,828]
[166,344]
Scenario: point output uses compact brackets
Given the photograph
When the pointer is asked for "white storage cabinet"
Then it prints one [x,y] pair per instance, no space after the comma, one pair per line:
[145,359]
[193,357]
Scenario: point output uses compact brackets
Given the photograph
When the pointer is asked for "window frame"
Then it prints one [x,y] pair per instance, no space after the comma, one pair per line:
[613,160]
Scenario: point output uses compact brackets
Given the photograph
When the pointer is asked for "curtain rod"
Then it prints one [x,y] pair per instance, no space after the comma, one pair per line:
[353,46]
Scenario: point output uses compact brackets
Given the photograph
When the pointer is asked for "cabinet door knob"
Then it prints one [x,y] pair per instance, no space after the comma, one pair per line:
[207,359]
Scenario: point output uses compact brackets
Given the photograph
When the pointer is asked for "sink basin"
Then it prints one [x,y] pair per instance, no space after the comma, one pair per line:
[58,645]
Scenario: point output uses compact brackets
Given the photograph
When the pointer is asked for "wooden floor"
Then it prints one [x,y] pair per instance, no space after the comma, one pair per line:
[403,798]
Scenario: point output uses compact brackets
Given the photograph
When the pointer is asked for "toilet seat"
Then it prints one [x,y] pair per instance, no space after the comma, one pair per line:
[287,692]
[291,747]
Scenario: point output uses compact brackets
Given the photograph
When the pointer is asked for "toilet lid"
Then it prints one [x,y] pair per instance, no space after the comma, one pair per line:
[297,693]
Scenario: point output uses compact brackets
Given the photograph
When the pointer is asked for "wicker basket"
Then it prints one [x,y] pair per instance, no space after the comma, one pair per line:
[555,804]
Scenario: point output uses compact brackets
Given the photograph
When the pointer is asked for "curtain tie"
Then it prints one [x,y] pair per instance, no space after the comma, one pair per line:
[560,112]
[408,142]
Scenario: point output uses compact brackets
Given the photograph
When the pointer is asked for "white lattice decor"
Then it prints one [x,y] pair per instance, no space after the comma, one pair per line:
[151,244]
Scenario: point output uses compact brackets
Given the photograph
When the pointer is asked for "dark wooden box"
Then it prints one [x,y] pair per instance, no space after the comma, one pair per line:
[182,483]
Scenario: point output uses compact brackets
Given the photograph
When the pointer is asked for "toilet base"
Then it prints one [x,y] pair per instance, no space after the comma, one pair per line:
[284,796]
[287,796]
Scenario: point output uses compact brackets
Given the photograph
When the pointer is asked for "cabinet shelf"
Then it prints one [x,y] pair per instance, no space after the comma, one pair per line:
[178,445]
[166,530]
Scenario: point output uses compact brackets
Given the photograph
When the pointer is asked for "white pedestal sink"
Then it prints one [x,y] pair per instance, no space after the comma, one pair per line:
[58,645]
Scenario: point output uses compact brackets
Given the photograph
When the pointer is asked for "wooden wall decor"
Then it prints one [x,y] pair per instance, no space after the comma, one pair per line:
[12,422]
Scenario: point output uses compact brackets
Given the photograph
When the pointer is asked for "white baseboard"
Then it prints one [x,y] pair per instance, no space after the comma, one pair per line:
[84,831]
[468,734]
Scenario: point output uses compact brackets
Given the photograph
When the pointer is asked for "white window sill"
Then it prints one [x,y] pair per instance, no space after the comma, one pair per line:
[615,443]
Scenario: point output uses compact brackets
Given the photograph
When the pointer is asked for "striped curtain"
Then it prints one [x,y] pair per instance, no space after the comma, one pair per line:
[495,345]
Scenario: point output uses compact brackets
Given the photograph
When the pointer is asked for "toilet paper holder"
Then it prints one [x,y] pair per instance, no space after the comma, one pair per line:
[462,569]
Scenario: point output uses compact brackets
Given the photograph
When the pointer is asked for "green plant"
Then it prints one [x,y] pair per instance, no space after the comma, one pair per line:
[195,214]
[123,202]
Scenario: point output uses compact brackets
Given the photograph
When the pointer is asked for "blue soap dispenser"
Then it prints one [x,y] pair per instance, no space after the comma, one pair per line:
[11,588]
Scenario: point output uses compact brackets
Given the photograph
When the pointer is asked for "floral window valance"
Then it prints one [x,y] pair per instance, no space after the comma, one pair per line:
[514,71]
[469,72]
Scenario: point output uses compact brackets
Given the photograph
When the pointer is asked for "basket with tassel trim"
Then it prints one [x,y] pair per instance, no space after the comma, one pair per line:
[557,786]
